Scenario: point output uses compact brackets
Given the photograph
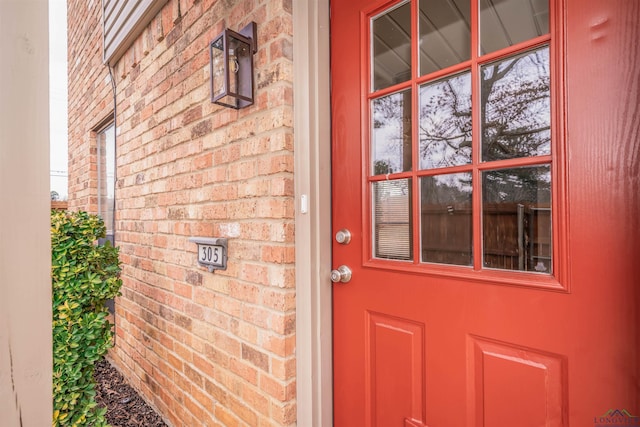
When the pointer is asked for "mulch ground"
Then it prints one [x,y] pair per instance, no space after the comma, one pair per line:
[125,408]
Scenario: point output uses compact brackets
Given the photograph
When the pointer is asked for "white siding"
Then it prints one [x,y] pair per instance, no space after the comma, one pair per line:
[123,21]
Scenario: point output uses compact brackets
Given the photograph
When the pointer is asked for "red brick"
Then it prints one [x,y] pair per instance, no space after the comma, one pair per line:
[255,400]
[175,361]
[244,370]
[257,316]
[278,254]
[283,414]
[204,399]
[274,388]
[194,311]
[226,417]
[255,357]
[243,411]
[184,352]
[244,291]
[244,330]
[280,345]
[283,369]
[203,365]
[279,300]
[195,376]
[195,343]
[255,273]
[283,323]
[183,290]
[217,392]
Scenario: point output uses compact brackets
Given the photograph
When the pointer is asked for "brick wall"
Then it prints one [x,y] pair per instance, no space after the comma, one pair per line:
[203,348]
[90,101]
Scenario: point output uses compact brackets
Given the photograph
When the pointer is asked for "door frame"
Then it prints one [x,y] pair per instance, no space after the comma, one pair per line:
[312,181]
[312,157]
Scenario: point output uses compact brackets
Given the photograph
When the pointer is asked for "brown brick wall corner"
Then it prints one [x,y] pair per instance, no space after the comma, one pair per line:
[203,348]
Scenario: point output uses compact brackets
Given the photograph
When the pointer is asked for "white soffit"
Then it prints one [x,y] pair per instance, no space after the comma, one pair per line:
[122,23]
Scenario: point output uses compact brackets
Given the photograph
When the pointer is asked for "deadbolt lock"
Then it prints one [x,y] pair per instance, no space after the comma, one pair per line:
[343,236]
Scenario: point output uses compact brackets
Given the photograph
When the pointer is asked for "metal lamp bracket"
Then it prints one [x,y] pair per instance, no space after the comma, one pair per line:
[250,31]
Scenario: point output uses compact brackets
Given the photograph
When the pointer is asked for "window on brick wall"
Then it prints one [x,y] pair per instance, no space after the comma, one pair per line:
[106,144]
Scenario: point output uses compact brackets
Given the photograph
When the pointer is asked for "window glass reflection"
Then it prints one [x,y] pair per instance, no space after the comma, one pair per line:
[516,217]
[391,133]
[392,226]
[106,144]
[445,34]
[446,219]
[445,122]
[504,23]
[391,38]
[516,111]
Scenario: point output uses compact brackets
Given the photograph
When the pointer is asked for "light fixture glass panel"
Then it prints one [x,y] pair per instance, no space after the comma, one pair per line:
[392,224]
[391,133]
[445,34]
[504,23]
[391,50]
[516,219]
[445,122]
[234,68]
[240,68]
[516,106]
[218,80]
[231,70]
[446,219]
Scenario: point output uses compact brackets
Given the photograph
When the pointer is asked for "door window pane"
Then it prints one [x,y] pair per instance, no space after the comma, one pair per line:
[504,23]
[391,133]
[474,135]
[446,219]
[516,217]
[445,122]
[516,106]
[391,38]
[392,226]
[445,34]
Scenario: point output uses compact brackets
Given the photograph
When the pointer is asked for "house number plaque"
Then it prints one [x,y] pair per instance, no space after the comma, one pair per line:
[212,252]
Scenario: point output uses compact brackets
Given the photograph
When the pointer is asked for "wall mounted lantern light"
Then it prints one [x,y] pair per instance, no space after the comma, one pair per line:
[231,66]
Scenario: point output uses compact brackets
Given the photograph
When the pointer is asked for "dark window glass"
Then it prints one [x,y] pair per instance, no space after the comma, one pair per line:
[504,23]
[446,219]
[391,133]
[516,107]
[516,217]
[391,34]
[445,34]
[106,144]
[445,122]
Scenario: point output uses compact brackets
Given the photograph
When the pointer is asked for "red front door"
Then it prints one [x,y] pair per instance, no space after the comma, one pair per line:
[485,164]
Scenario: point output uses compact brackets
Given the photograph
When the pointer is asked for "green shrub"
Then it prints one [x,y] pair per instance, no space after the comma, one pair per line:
[84,275]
